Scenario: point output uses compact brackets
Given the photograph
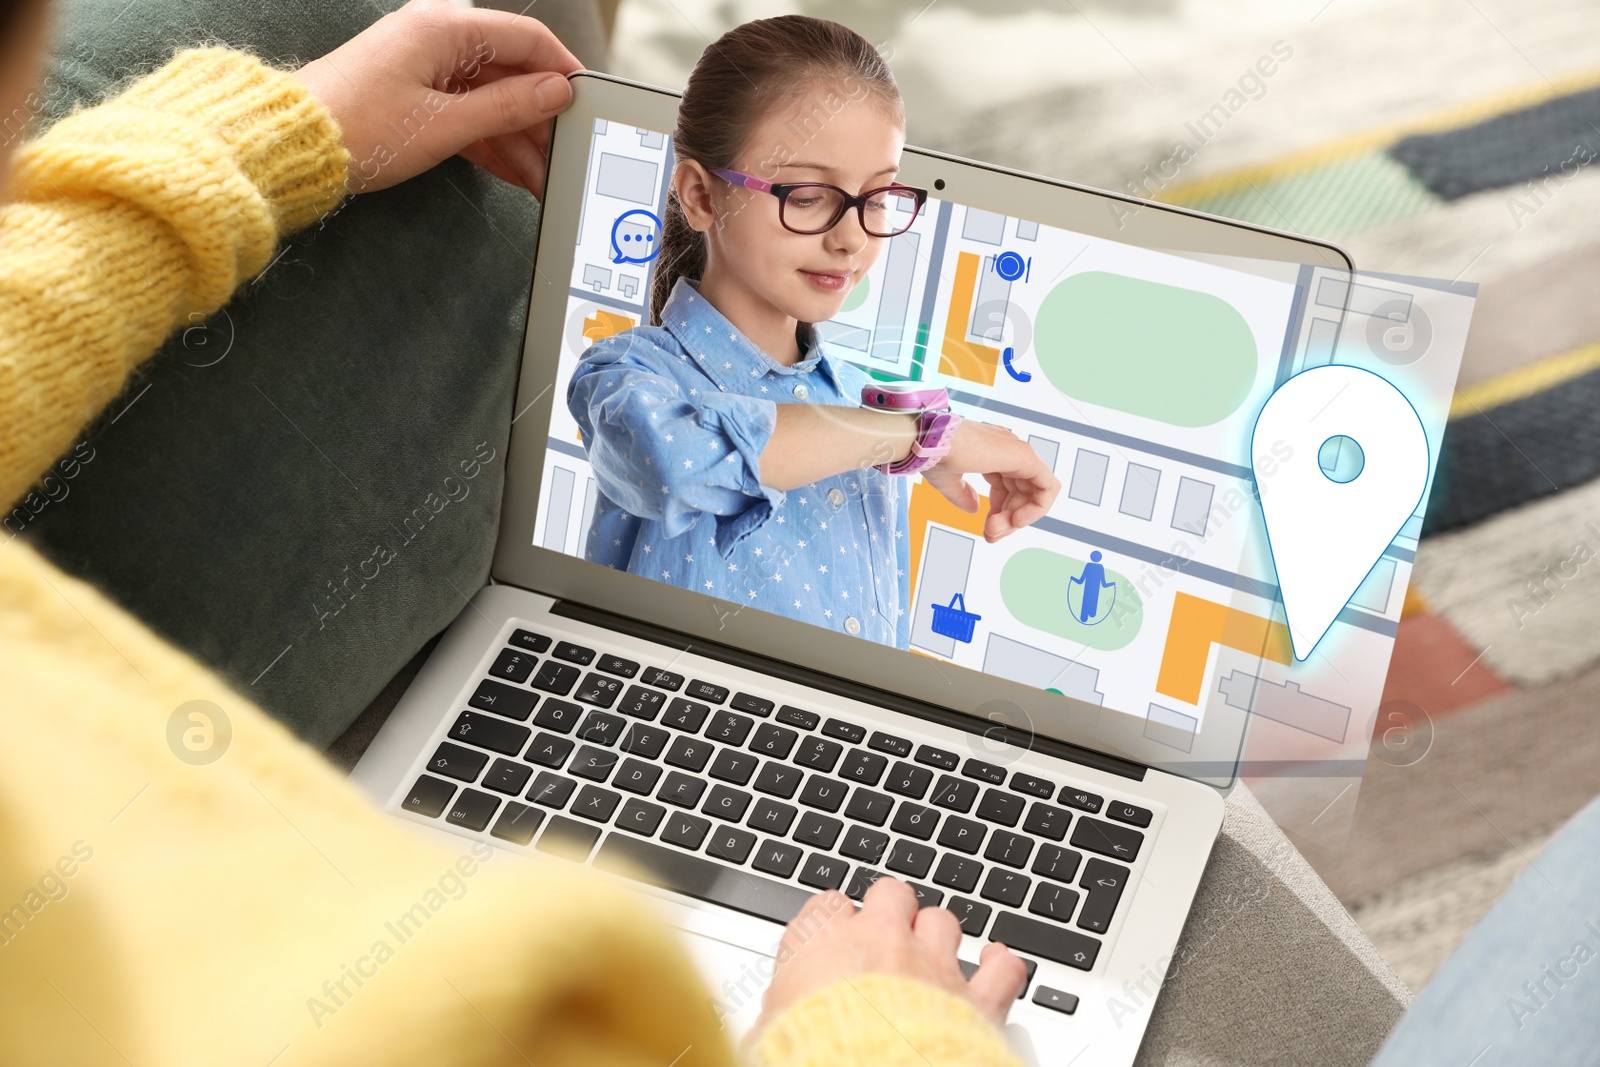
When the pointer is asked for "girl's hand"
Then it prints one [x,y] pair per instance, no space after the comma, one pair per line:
[829,941]
[1021,487]
[433,80]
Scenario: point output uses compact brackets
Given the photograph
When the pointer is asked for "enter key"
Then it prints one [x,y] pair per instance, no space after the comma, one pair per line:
[1104,883]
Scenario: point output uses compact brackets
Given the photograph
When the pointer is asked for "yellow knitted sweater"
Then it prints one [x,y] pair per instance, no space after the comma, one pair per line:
[243,912]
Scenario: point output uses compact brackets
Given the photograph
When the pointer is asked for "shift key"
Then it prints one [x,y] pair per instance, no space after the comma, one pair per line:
[1049,940]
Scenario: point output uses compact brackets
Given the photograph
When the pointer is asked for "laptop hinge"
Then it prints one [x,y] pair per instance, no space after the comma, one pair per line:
[853,690]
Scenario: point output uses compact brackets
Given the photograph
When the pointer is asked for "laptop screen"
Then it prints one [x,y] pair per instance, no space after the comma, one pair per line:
[1136,375]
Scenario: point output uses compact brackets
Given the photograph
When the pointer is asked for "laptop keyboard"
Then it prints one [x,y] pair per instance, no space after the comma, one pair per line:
[562,743]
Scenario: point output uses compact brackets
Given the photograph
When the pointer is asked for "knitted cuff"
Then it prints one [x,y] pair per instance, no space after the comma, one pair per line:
[884,1020]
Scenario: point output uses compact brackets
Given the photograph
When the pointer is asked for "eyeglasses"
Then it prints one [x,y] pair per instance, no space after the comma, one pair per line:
[816,207]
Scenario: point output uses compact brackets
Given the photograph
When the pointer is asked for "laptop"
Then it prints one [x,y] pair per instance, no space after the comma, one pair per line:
[1036,757]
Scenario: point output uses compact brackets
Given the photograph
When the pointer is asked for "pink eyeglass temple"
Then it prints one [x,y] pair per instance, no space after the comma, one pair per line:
[749,181]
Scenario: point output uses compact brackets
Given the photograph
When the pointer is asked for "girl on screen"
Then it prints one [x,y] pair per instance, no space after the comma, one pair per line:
[735,455]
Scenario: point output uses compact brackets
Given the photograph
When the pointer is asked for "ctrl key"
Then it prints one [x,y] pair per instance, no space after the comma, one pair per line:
[429,796]
[1065,1003]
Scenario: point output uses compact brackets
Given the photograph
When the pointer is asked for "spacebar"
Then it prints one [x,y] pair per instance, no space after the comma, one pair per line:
[701,879]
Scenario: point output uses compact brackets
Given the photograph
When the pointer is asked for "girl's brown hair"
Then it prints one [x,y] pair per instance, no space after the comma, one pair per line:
[750,71]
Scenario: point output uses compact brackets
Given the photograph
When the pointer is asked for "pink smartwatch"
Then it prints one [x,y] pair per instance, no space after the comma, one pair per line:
[936,423]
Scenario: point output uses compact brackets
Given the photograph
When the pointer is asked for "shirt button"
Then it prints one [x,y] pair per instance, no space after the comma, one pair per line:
[852,626]
[835,497]
[801,392]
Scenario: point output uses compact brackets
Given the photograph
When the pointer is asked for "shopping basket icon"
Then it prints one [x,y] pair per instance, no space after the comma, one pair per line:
[954,620]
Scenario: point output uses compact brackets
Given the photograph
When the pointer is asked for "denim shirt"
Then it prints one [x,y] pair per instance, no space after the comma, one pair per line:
[674,419]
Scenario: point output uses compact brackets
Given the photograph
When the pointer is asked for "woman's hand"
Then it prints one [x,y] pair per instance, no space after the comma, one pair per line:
[433,80]
[829,940]
[1021,487]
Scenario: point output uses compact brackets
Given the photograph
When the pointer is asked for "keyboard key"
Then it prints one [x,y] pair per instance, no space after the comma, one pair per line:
[1054,902]
[551,790]
[824,793]
[818,753]
[574,653]
[623,668]
[954,794]
[963,835]
[983,772]
[558,715]
[731,843]
[844,731]
[1001,807]
[958,872]
[937,757]
[1034,937]
[1108,839]
[1128,813]
[1006,887]
[914,820]
[823,872]
[1037,787]
[453,761]
[491,732]
[729,728]
[1056,862]
[1046,820]
[637,776]
[686,831]
[869,807]
[429,796]
[713,694]
[973,915]
[895,746]
[686,715]
[779,780]
[503,699]
[529,640]
[1055,999]
[595,764]
[1008,848]
[512,665]
[818,831]
[599,690]
[517,823]
[690,753]
[507,777]
[733,766]
[726,803]
[862,881]
[791,716]
[776,857]
[595,803]
[557,678]
[1080,799]
[701,878]
[548,750]
[772,817]
[646,741]
[908,857]
[1104,882]
[774,741]
[662,679]
[682,789]
[568,838]
[641,816]
[927,897]
[863,767]
[863,844]
[909,781]
[757,706]
[642,703]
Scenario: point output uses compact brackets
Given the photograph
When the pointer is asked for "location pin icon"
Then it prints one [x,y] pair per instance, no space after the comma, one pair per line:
[1357,466]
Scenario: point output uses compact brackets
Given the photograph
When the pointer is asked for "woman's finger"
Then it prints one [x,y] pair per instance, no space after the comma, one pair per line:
[482,154]
[514,42]
[892,900]
[507,105]
[940,932]
[525,160]
[998,981]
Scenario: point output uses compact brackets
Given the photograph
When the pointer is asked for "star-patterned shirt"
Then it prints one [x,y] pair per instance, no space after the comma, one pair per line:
[674,419]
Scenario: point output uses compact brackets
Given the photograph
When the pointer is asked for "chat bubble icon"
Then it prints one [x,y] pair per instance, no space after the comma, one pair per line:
[635,237]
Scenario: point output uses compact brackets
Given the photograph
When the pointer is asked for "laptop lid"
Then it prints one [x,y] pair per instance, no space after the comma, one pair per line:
[1113,623]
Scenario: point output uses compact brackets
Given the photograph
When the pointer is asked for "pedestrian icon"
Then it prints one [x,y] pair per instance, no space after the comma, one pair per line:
[1087,597]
